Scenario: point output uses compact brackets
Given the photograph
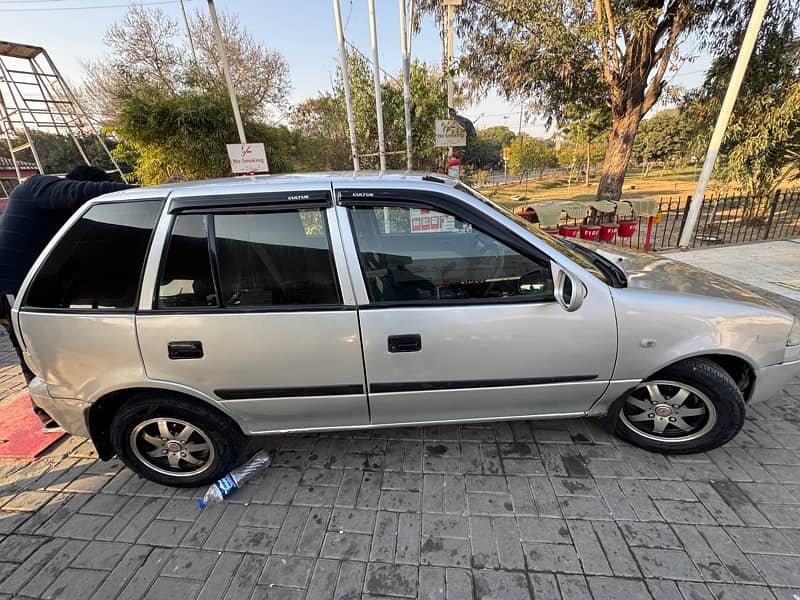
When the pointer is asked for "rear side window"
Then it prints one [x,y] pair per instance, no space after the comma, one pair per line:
[275,259]
[98,263]
[186,279]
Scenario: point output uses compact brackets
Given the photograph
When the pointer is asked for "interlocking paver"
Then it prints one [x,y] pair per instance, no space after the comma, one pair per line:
[500,584]
[506,510]
[553,558]
[391,580]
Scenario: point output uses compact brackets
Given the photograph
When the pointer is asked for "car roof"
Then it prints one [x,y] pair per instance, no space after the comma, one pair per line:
[282,182]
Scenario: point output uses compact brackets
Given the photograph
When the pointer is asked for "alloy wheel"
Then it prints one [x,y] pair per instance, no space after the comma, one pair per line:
[668,412]
[172,446]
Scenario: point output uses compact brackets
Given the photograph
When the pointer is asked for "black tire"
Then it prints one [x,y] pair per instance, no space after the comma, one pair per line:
[212,429]
[705,377]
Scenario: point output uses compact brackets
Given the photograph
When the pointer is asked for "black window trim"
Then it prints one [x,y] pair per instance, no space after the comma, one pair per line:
[211,243]
[257,201]
[356,198]
[100,311]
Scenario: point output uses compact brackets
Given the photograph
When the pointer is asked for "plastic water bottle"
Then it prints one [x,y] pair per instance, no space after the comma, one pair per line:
[234,480]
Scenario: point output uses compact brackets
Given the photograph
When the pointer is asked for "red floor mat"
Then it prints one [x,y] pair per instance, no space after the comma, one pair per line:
[21,434]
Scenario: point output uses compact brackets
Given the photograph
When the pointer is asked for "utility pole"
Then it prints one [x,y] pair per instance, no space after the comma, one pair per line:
[348,100]
[406,57]
[373,38]
[451,7]
[739,70]
[227,72]
[189,34]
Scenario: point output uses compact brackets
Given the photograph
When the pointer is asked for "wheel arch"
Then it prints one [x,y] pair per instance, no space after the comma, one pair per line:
[102,410]
[738,367]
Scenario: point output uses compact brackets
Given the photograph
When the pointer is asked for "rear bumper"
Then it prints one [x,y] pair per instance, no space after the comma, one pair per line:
[67,412]
[770,380]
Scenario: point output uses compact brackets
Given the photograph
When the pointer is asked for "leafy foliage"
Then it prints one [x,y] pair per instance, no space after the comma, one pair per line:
[592,53]
[186,133]
[762,143]
[59,154]
[663,137]
[324,119]
[146,46]
[526,154]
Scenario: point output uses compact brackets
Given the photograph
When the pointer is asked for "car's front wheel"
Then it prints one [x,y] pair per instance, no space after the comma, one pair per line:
[173,441]
[691,406]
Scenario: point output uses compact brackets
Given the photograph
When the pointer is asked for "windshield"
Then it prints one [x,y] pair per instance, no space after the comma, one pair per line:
[582,256]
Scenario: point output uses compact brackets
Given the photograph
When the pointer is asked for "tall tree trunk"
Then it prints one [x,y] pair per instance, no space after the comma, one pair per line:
[618,155]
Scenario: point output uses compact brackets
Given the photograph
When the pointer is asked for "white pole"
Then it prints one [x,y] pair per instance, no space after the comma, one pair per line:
[749,42]
[405,54]
[348,100]
[450,12]
[373,38]
[189,34]
[449,57]
[227,72]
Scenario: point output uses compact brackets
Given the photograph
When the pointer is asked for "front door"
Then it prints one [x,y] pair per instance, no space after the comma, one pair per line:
[461,324]
[249,311]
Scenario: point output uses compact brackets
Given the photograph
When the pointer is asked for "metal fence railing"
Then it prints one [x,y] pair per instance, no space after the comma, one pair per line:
[730,218]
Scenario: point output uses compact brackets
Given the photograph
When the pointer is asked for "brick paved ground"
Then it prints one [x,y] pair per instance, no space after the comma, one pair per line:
[512,510]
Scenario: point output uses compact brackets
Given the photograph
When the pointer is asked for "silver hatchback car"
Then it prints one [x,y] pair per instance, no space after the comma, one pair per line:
[168,324]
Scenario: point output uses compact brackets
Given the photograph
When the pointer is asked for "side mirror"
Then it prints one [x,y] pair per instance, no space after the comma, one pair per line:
[569,290]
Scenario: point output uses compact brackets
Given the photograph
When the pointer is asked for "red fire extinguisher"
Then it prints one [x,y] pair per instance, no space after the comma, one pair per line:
[453,167]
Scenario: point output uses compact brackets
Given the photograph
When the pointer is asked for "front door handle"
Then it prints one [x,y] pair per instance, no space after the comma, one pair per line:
[405,343]
[185,349]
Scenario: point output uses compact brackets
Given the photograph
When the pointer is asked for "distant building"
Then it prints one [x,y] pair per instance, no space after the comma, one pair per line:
[8,177]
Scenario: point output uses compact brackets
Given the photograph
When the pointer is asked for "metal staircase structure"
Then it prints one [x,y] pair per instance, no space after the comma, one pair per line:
[35,97]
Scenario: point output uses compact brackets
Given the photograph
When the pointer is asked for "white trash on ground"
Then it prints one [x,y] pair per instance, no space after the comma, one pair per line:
[235,479]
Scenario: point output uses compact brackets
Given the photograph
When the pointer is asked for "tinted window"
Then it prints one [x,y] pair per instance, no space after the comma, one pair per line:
[186,276]
[275,259]
[98,263]
[414,254]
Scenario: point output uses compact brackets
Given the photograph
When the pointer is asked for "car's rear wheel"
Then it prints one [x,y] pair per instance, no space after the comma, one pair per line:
[691,406]
[176,442]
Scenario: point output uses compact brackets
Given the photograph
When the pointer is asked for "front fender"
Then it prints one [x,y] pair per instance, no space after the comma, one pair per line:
[657,329]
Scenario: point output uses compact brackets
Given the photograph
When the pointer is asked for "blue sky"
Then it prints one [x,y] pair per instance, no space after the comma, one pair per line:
[303,30]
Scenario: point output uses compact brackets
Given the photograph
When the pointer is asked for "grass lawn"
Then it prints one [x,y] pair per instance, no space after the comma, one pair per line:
[657,184]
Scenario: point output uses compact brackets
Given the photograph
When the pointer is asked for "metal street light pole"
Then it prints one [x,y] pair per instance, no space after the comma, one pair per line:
[348,100]
[189,34]
[739,69]
[226,71]
[406,57]
[373,37]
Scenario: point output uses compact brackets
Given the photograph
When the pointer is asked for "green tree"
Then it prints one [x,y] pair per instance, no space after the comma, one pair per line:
[59,154]
[581,51]
[762,143]
[324,118]
[664,137]
[484,151]
[147,46]
[528,154]
[587,129]
[500,134]
[186,132]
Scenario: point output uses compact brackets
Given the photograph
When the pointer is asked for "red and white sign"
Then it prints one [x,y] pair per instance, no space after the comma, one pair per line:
[248,158]
[424,220]
[449,133]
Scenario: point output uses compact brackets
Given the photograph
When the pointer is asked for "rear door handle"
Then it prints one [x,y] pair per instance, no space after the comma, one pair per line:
[181,350]
[405,343]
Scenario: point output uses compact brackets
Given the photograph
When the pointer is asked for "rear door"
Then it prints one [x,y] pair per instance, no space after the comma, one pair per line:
[458,317]
[250,309]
